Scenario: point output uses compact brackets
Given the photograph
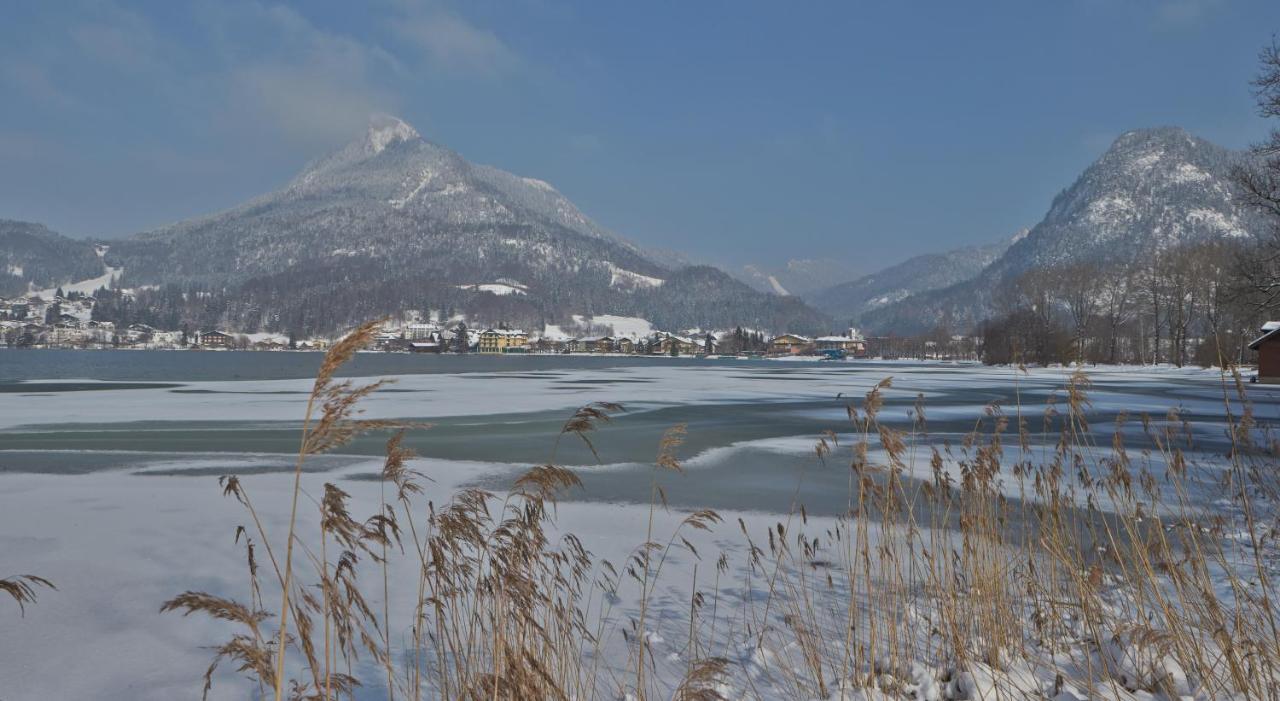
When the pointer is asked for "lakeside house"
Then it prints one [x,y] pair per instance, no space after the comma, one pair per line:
[214,339]
[1268,347]
[851,344]
[503,341]
[790,344]
[591,344]
[664,343]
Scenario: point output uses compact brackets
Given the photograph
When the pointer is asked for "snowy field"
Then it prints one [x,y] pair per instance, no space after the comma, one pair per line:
[109,489]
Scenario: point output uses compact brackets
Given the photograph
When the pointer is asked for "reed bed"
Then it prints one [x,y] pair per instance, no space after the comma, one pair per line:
[1038,557]
[24,589]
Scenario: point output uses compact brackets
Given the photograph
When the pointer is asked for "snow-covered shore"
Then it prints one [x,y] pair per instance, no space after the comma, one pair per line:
[118,543]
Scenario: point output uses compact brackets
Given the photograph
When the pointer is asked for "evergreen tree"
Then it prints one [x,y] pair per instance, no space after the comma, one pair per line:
[461,343]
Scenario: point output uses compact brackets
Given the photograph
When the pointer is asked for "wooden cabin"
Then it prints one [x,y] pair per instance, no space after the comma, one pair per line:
[1268,347]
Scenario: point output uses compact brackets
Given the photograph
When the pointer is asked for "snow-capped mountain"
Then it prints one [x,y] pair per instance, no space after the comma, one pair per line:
[393,221]
[393,196]
[848,301]
[1152,189]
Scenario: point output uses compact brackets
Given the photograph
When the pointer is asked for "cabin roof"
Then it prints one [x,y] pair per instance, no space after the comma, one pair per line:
[1270,330]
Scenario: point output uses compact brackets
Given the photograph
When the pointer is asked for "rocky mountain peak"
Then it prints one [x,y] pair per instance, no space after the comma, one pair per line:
[385,130]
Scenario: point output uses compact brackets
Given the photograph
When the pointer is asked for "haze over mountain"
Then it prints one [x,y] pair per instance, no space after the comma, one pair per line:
[391,222]
[848,301]
[1151,190]
[798,276]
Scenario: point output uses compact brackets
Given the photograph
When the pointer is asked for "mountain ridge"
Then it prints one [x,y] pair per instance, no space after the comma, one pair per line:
[1151,189]
[922,273]
[392,207]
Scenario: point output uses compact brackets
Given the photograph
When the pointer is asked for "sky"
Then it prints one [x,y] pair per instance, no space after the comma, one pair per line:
[735,132]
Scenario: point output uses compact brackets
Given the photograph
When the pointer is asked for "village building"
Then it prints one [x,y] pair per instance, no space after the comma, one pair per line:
[503,341]
[420,331]
[663,343]
[546,344]
[790,344]
[214,339]
[272,343]
[591,344]
[1268,347]
[67,335]
[851,343]
[17,310]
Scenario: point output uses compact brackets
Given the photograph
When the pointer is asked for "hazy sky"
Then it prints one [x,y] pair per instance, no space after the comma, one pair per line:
[738,132]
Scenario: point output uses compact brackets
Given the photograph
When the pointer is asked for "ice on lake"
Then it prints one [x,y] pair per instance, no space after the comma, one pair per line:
[108,476]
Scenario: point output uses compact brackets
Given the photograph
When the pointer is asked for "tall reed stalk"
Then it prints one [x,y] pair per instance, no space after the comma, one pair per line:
[1025,558]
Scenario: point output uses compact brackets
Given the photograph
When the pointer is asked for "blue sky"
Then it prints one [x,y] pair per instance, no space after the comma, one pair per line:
[734,131]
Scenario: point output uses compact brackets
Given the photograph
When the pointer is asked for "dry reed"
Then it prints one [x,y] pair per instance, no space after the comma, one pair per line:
[1023,559]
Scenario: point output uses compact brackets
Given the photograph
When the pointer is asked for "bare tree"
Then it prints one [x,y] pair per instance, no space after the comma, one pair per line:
[1116,304]
[1078,287]
[1180,300]
[1258,269]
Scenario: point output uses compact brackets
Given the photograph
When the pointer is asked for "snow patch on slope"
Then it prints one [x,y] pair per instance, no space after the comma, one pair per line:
[85,287]
[1229,226]
[1187,173]
[423,180]
[501,289]
[385,130]
[620,277]
[1148,159]
[1107,210]
[630,326]
[777,287]
[540,184]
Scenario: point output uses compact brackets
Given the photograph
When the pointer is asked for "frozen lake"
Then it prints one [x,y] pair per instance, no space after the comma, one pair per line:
[751,424]
[109,462]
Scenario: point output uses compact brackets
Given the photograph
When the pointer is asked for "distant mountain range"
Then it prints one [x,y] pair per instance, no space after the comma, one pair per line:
[1153,189]
[797,276]
[848,301]
[393,222]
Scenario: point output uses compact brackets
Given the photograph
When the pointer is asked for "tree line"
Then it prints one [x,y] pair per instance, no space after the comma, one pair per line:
[1183,305]
[1200,303]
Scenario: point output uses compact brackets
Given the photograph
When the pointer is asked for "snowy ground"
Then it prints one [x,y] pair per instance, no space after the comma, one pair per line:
[120,541]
